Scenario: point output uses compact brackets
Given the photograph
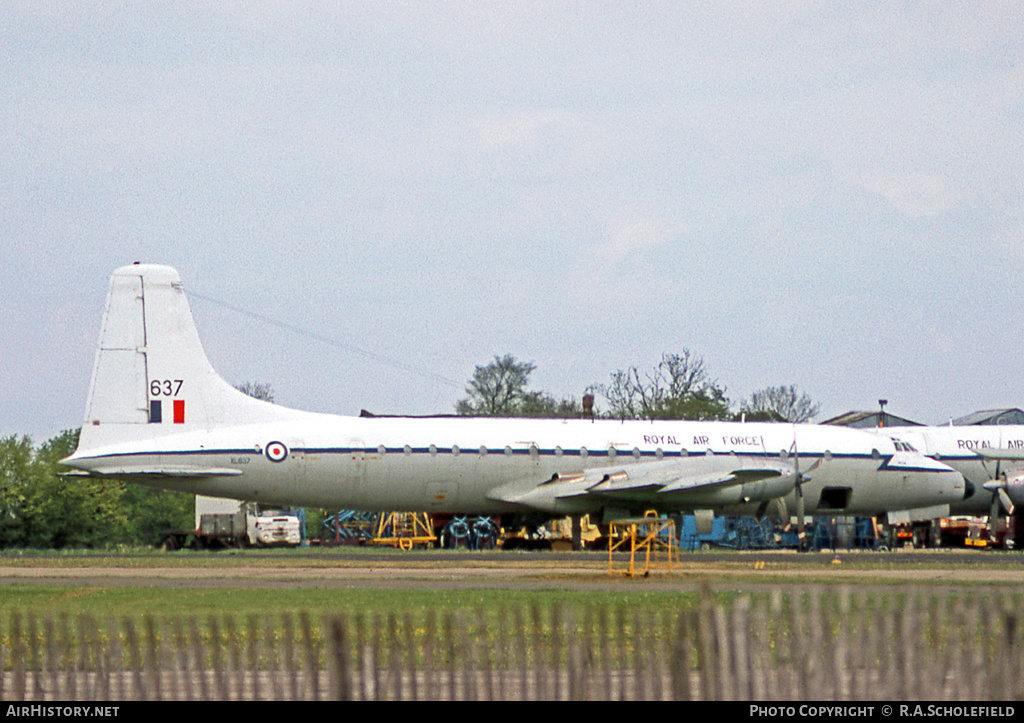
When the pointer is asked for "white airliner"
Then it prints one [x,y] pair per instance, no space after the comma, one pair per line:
[159,414]
[991,459]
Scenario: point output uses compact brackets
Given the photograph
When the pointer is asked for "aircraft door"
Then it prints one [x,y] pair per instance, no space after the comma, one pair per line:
[440,496]
[354,470]
[298,461]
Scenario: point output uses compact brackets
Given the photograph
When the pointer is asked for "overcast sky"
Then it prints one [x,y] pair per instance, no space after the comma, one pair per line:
[826,195]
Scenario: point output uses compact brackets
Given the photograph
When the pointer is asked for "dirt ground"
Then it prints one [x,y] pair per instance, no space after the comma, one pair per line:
[341,568]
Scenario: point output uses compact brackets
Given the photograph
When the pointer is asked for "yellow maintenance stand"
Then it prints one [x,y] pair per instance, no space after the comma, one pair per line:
[404,530]
[652,536]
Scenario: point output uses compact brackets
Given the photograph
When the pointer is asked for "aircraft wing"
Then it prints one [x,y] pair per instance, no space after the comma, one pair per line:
[1000,453]
[705,482]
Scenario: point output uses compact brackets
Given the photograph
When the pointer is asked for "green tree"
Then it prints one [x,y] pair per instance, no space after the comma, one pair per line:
[71,511]
[779,404]
[15,462]
[496,389]
[500,389]
[153,512]
[679,387]
[41,506]
[541,405]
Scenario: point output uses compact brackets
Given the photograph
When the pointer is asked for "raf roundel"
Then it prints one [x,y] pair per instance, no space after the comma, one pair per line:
[276,452]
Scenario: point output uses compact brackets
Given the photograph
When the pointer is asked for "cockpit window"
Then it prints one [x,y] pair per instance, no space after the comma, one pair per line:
[903,446]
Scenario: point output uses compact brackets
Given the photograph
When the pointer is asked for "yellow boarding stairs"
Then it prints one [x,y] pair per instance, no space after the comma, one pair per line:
[404,530]
[651,537]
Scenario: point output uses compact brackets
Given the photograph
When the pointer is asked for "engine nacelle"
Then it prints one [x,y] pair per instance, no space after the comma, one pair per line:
[770,489]
[1014,485]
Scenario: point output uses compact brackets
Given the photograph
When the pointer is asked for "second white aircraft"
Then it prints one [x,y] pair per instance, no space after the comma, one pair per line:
[991,459]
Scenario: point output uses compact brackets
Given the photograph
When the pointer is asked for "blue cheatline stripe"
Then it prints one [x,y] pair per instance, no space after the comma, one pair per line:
[156,415]
[624,455]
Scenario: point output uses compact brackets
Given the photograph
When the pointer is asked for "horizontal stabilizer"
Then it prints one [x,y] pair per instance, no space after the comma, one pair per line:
[190,472]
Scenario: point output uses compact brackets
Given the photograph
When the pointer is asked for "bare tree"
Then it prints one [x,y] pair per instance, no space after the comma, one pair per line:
[779,404]
[679,387]
[257,390]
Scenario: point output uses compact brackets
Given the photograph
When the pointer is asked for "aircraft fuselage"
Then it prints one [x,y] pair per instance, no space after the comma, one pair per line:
[959,448]
[463,464]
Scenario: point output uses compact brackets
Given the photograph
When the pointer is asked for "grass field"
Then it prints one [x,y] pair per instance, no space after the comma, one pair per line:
[135,583]
[132,601]
[931,625]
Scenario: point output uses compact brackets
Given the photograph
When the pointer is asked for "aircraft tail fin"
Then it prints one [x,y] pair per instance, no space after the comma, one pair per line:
[151,376]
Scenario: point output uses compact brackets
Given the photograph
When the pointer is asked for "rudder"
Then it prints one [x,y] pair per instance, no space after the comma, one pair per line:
[117,390]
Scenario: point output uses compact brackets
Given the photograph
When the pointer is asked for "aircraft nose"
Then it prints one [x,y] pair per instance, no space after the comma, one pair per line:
[947,487]
[946,484]
[943,483]
[949,481]
[960,487]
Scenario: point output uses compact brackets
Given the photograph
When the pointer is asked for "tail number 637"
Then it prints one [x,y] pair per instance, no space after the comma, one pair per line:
[165,387]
